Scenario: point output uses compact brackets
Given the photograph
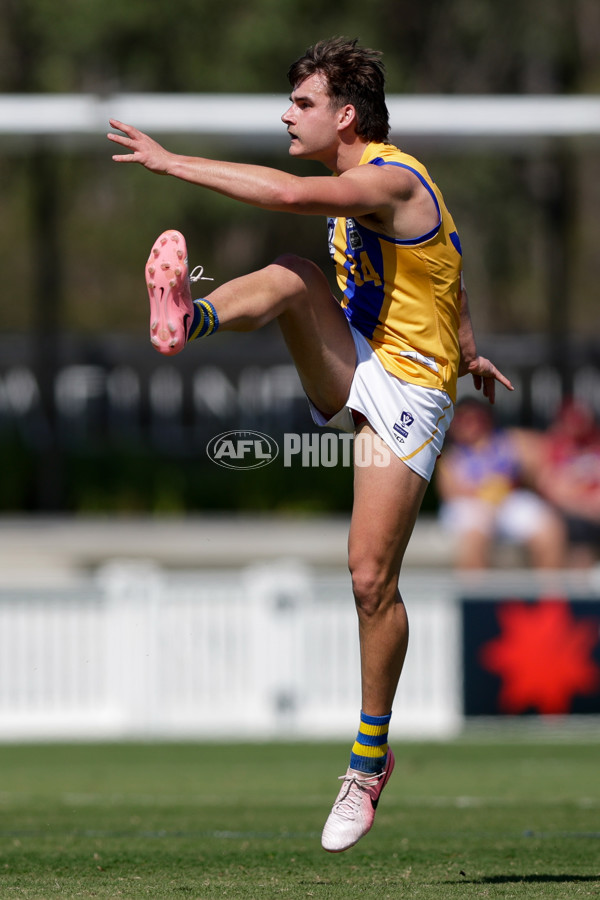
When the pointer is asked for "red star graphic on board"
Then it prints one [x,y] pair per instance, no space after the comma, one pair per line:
[543,657]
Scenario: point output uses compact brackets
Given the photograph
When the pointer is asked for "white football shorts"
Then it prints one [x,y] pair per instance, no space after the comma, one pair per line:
[410,418]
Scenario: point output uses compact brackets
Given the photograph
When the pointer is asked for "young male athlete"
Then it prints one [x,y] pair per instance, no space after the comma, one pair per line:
[383,362]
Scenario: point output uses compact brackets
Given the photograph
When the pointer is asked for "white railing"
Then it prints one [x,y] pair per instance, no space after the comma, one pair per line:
[263,651]
[266,651]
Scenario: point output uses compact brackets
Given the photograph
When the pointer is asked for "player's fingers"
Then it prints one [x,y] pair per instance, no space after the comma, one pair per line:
[125,157]
[121,126]
[489,388]
[488,370]
[119,139]
[505,381]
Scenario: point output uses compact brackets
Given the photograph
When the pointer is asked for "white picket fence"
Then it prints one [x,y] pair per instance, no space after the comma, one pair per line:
[270,651]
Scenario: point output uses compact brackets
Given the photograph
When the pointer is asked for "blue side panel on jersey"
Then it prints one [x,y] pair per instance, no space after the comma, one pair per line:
[456,241]
[364,301]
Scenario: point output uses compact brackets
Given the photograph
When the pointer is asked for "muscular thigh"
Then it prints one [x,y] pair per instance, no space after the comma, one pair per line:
[318,337]
[387,498]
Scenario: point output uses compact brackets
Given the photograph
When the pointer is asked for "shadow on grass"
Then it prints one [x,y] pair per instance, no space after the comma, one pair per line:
[527,879]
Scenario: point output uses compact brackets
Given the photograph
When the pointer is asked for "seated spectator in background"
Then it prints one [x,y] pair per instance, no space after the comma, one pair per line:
[567,475]
[480,484]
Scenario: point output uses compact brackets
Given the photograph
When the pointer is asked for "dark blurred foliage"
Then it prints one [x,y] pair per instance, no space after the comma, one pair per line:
[460,46]
[106,217]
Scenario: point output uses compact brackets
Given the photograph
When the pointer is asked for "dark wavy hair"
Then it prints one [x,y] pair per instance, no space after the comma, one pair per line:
[354,75]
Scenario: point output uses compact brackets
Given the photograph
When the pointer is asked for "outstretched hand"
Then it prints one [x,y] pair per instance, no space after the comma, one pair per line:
[145,151]
[485,374]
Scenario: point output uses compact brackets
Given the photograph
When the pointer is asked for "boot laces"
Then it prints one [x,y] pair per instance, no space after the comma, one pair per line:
[197,274]
[349,802]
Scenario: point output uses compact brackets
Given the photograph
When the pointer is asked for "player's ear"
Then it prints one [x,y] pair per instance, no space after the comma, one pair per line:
[346,115]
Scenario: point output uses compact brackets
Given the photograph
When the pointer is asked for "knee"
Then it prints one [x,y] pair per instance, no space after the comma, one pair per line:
[293,262]
[301,269]
[374,589]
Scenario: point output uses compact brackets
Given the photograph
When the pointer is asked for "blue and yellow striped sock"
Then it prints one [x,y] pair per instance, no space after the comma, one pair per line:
[206,320]
[369,753]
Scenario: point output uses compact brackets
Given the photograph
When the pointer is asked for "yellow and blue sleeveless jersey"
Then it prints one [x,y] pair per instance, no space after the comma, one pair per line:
[403,295]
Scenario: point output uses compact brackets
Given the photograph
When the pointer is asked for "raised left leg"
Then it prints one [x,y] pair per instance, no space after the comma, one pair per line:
[292,290]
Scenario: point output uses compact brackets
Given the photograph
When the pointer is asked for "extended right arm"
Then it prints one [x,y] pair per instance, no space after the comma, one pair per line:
[358,191]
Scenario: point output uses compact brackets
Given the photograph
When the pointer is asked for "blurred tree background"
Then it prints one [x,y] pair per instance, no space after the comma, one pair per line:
[76,229]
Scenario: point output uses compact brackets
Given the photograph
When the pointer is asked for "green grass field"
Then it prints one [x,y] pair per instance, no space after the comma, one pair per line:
[458,820]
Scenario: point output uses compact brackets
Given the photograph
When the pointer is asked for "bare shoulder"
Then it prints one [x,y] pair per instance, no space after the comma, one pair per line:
[394,181]
[406,209]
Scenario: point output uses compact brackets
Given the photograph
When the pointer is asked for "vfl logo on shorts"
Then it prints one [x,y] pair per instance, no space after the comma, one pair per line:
[402,425]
